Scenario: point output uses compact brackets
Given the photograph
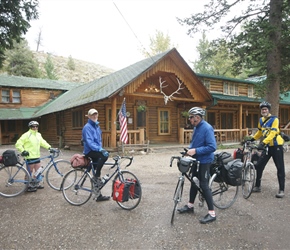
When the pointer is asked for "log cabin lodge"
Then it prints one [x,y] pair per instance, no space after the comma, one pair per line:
[158,92]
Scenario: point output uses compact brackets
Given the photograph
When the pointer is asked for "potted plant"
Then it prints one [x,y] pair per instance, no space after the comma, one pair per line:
[141,108]
[185,114]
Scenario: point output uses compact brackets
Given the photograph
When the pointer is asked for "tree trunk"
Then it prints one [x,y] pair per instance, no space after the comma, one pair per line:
[274,56]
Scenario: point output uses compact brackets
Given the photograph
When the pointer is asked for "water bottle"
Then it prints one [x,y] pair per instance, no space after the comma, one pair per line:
[105,178]
[38,172]
[196,181]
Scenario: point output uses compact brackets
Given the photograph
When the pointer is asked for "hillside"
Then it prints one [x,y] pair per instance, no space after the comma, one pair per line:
[84,71]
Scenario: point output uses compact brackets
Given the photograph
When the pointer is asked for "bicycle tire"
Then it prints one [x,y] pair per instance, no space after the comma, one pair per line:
[56,172]
[14,180]
[248,179]
[77,187]
[177,198]
[134,199]
[223,195]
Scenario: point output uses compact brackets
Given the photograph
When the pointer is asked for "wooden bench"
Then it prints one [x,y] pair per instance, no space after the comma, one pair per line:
[122,148]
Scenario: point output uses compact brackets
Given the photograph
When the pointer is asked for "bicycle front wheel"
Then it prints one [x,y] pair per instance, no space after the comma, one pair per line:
[177,197]
[248,179]
[77,187]
[56,172]
[223,195]
[14,181]
[135,190]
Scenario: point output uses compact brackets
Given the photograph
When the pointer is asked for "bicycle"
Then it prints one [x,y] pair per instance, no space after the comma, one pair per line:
[80,184]
[248,170]
[223,194]
[14,180]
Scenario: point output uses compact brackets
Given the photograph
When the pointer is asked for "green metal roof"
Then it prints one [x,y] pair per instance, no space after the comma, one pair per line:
[20,81]
[225,78]
[101,88]
[18,114]
[235,98]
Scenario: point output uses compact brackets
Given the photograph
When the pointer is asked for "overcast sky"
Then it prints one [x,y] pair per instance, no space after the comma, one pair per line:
[95,30]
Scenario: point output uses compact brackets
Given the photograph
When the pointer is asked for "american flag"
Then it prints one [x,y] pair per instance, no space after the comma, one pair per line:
[123,123]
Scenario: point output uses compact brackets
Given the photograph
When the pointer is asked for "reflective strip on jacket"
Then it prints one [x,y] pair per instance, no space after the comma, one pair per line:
[269,131]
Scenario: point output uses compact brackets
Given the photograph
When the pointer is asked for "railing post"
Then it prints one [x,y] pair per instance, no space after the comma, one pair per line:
[181,135]
[142,135]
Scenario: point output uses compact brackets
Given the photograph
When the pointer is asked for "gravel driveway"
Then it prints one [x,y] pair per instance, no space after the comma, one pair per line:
[44,220]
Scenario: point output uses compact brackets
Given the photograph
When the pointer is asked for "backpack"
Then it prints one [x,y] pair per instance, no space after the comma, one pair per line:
[79,161]
[234,172]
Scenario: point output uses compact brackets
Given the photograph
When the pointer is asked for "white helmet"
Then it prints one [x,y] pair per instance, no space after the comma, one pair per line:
[33,123]
[196,111]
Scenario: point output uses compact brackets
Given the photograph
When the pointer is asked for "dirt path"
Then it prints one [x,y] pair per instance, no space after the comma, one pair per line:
[44,220]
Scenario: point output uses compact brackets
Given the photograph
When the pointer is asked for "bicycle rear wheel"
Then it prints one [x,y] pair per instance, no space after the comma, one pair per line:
[56,172]
[223,194]
[14,181]
[77,187]
[248,179]
[135,190]
[177,197]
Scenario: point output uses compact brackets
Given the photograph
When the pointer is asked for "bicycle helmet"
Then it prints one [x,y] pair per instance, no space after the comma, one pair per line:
[33,123]
[265,105]
[196,111]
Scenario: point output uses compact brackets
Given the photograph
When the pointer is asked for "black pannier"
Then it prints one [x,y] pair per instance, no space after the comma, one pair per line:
[220,160]
[10,157]
[234,172]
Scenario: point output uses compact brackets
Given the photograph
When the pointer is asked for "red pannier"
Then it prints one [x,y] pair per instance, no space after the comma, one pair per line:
[121,190]
[135,189]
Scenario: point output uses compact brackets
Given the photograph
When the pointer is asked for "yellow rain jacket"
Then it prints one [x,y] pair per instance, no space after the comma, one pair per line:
[31,141]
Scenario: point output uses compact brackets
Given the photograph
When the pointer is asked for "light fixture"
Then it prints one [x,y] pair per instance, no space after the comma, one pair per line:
[152,88]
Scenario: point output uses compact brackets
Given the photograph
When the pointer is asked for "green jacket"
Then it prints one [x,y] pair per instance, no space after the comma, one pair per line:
[31,141]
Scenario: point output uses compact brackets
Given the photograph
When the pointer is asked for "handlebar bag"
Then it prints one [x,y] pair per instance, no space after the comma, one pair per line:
[79,161]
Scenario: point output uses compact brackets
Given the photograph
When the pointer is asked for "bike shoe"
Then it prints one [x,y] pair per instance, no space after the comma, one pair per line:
[256,190]
[40,187]
[31,189]
[185,209]
[103,198]
[207,219]
[280,194]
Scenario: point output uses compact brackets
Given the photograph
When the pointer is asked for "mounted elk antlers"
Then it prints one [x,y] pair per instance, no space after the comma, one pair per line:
[166,97]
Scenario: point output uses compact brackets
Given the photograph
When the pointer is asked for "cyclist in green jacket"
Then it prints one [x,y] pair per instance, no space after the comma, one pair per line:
[29,145]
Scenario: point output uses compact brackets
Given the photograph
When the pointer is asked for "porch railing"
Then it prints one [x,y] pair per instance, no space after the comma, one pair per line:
[135,137]
[221,135]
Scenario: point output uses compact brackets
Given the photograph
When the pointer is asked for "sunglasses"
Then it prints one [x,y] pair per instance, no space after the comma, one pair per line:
[34,126]
[192,116]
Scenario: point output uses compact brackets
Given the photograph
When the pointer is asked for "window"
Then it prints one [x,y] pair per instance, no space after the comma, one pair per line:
[206,83]
[109,119]
[5,96]
[231,89]
[77,119]
[14,98]
[227,120]
[250,91]
[163,122]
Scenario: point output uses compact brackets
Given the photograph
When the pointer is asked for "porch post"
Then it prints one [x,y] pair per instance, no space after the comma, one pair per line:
[241,121]
[113,125]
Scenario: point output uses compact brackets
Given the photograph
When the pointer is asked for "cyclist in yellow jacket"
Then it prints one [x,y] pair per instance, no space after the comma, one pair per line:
[29,145]
[268,130]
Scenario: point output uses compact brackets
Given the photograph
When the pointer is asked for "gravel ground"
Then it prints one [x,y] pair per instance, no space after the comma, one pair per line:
[44,220]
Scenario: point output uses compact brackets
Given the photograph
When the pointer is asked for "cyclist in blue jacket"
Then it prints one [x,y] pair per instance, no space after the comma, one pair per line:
[92,141]
[202,147]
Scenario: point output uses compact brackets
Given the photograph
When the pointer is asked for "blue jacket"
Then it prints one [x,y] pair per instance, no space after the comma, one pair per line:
[204,142]
[92,137]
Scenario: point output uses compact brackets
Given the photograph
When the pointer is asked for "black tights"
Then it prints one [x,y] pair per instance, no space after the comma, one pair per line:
[98,161]
[277,153]
[203,176]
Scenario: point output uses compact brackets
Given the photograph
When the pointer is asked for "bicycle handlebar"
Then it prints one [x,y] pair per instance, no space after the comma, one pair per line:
[179,157]
[118,157]
[54,152]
